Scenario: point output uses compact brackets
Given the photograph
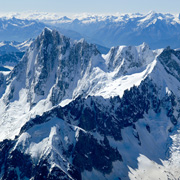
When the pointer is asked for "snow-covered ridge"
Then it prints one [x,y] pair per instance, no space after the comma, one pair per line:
[104,30]
[91,18]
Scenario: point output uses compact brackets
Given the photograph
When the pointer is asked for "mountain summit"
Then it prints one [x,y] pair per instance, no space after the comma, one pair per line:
[69,112]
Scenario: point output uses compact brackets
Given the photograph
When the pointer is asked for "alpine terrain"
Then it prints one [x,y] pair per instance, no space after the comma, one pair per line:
[69,112]
[159,30]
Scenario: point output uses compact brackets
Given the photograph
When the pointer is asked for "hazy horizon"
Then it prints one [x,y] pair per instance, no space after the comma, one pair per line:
[52,15]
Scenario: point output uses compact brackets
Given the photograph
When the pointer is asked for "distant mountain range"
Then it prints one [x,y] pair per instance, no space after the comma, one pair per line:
[11,53]
[156,29]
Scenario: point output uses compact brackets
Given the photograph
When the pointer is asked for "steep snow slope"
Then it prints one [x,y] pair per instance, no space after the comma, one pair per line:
[71,113]
[166,77]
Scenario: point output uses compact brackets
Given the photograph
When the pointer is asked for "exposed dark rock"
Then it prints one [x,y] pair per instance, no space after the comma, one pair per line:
[57,174]
[93,154]
[170,58]
[148,128]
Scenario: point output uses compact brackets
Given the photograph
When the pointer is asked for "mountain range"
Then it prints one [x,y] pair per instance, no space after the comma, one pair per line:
[11,53]
[70,112]
[158,30]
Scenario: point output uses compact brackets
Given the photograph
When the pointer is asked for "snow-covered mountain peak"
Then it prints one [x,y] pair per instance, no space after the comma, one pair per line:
[53,62]
[83,41]
[64,18]
[154,17]
[64,93]
[50,36]
[127,57]
[46,30]
[152,12]
[56,70]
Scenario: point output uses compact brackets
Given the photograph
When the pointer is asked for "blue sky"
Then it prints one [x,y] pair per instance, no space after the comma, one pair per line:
[90,6]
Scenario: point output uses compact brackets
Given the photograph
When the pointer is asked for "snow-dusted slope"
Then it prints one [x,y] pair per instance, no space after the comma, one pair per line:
[70,112]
